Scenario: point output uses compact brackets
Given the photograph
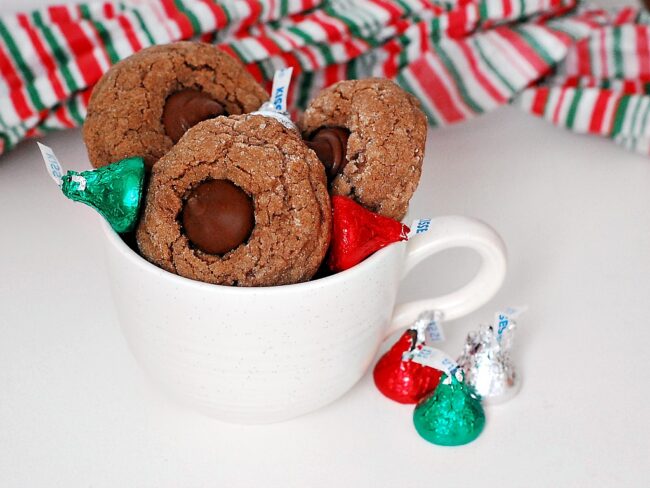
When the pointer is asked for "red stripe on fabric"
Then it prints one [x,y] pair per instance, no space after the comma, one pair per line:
[330,74]
[603,54]
[181,20]
[643,51]
[558,106]
[351,48]
[62,116]
[334,29]
[109,10]
[85,96]
[255,11]
[435,90]
[33,132]
[507,8]
[482,79]
[524,49]
[584,58]
[393,10]
[598,112]
[127,27]
[47,60]
[539,101]
[390,65]
[255,70]
[269,46]
[218,12]
[457,26]
[98,41]
[82,50]
[629,86]
[59,14]
[18,98]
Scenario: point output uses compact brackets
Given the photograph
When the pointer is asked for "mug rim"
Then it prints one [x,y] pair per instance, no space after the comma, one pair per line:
[136,259]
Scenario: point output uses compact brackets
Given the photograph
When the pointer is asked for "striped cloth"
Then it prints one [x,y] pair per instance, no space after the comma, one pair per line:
[586,69]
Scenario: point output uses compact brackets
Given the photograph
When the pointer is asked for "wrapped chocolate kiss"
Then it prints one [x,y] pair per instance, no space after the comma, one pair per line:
[451,415]
[276,107]
[486,358]
[115,191]
[396,375]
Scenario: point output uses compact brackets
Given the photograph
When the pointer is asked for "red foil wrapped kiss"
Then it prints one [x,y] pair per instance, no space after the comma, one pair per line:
[357,233]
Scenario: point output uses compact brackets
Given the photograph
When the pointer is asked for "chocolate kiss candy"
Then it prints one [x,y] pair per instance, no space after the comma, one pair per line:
[330,145]
[187,108]
[451,415]
[115,191]
[401,379]
[218,216]
[357,233]
[488,366]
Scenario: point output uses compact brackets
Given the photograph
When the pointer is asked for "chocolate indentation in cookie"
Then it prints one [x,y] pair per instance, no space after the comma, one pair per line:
[187,108]
[218,216]
[330,145]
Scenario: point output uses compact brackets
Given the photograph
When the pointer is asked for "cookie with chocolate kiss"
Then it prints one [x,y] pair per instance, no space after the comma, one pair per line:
[239,200]
[144,104]
[370,135]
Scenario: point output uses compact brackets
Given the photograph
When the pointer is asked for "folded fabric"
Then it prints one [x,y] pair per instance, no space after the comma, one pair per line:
[586,69]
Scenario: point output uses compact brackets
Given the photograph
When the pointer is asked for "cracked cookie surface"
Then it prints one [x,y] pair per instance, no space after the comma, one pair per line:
[385,147]
[126,106]
[273,166]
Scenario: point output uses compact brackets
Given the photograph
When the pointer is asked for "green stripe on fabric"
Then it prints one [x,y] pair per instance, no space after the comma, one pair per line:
[492,68]
[196,25]
[351,72]
[326,52]
[57,51]
[535,44]
[73,109]
[144,28]
[238,52]
[617,49]
[103,34]
[458,79]
[573,108]
[483,10]
[26,73]
[354,28]
[302,34]
[284,8]
[406,8]
[619,117]
[304,88]
[404,83]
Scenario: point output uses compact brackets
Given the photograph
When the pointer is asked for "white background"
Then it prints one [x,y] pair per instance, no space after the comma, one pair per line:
[75,409]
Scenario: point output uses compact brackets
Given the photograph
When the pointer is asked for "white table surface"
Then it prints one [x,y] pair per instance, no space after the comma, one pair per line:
[75,409]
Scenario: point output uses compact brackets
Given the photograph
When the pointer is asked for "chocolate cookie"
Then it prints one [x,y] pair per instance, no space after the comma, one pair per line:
[144,104]
[370,135]
[239,200]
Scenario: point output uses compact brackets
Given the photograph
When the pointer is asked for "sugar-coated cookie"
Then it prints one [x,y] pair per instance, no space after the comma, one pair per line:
[239,200]
[144,104]
[370,134]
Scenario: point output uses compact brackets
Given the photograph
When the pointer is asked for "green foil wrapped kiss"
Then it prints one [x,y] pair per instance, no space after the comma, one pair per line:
[115,191]
[451,415]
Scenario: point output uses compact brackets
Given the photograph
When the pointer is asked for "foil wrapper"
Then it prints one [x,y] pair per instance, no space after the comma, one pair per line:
[115,191]
[267,110]
[452,415]
[487,363]
[400,378]
[276,107]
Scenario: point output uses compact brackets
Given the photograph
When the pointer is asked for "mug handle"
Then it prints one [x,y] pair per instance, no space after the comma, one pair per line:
[446,233]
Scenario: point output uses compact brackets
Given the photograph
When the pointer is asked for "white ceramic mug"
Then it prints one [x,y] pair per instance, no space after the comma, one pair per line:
[259,355]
